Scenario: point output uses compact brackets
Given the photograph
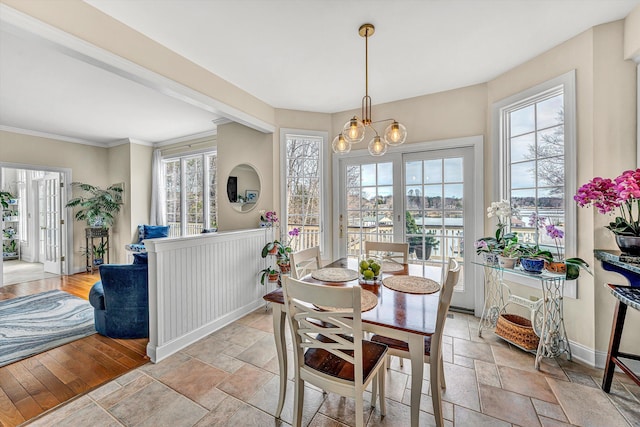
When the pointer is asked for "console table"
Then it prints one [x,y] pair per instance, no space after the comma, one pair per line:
[547,317]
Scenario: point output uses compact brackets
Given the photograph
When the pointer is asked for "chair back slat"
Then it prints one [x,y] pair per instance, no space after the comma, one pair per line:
[398,252]
[305,261]
[314,328]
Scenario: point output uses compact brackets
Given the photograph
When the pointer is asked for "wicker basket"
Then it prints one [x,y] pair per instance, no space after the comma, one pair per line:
[517,330]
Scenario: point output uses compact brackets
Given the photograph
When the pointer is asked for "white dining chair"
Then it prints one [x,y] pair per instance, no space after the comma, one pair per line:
[398,252]
[329,351]
[305,261]
[432,344]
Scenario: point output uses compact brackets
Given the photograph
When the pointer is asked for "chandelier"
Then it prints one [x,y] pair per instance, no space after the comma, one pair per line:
[354,130]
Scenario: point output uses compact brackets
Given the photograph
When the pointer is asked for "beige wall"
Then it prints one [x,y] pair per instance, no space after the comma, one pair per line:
[632,34]
[119,159]
[605,86]
[237,144]
[140,190]
[614,136]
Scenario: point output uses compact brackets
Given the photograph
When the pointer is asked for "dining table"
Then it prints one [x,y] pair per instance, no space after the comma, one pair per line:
[400,315]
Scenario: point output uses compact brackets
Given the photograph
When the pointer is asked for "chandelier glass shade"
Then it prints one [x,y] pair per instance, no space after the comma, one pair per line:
[355,129]
[340,145]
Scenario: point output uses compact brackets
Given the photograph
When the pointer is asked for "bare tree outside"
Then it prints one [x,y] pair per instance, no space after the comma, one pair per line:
[303,184]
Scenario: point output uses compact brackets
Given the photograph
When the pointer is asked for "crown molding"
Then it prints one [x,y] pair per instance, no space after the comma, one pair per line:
[62,138]
[186,138]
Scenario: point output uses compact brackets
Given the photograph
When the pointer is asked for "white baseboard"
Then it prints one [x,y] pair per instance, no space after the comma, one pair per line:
[158,353]
[589,356]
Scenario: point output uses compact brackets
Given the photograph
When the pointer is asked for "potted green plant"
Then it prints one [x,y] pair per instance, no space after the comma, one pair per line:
[268,273]
[98,253]
[509,256]
[281,251]
[5,197]
[97,206]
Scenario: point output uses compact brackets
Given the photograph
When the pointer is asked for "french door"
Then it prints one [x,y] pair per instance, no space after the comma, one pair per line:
[424,198]
[49,208]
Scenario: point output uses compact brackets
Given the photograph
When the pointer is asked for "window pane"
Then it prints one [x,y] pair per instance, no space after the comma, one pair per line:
[172,185]
[414,197]
[433,196]
[523,175]
[213,197]
[194,195]
[523,147]
[551,142]
[453,170]
[453,196]
[550,112]
[413,171]
[522,121]
[369,174]
[432,171]
[303,189]
[551,172]
[385,173]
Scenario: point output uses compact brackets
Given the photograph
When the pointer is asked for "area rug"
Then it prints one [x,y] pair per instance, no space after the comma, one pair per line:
[35,323]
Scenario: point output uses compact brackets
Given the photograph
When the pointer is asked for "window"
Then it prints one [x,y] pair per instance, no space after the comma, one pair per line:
[303,184]
[537,153]
[190,185]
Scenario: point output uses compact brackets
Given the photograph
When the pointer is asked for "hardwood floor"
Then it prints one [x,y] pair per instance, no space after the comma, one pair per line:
[34,385]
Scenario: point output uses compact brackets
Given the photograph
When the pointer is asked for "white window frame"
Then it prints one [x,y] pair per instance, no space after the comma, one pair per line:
[206,177]
[324,181]
[567,82]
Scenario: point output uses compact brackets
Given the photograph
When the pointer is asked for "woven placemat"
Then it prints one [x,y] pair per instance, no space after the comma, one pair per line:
[334,274]
[391,267]
[411,284]
[368,301]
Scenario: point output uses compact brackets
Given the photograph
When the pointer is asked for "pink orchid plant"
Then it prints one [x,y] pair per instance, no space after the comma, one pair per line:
[606,195]
[268,217]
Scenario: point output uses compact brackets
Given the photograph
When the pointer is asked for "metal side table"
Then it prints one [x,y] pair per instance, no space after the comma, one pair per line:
[547,313]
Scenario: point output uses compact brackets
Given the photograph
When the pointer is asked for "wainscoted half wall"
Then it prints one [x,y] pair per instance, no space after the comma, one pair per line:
[198,284]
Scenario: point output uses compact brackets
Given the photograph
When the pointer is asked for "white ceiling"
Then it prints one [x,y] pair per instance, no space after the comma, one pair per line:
[302,55]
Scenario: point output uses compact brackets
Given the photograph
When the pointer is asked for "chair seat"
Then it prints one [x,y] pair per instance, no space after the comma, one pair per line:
[330,364]
[401,345]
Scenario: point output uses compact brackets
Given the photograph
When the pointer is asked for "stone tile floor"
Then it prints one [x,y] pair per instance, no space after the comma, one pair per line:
[230,378]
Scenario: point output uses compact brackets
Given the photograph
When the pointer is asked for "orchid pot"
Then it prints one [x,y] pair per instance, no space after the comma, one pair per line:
[507,262]
[532,264]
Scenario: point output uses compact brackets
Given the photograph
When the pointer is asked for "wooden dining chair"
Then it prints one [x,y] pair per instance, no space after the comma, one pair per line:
[398,252]
[432,344]
[329,351]
[305,261]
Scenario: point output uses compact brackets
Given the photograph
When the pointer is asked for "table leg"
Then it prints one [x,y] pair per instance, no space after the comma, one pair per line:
[279,321]
[553,340]
[416,351]
[614,345]
[494,299]
[436,390]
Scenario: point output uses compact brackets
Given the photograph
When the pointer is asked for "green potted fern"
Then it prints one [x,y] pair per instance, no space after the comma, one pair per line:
[97,206]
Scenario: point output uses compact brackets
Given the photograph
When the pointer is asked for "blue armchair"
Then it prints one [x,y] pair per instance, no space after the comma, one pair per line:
[121,301]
